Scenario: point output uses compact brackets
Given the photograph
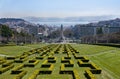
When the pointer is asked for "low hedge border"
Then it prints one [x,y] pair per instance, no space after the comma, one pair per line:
[20,75]
[89,74]
[6,68]
[34,75]
[7,63]
[18,67]
[75,75]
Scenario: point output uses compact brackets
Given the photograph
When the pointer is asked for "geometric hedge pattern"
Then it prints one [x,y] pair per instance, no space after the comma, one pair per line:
[60,59]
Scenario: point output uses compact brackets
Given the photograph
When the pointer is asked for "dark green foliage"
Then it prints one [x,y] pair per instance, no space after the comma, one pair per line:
[6,32]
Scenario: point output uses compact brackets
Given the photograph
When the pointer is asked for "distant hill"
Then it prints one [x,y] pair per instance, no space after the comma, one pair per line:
[13,22]
[108,23]
[4,20]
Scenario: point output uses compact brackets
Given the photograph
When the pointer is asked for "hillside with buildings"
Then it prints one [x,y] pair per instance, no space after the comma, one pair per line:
[27,28]
[109,26]
[102,31]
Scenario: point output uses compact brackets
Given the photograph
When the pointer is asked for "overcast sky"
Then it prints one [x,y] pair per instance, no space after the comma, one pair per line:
[58,8]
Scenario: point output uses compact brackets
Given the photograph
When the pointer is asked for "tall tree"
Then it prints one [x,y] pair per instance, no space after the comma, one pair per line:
[6,32]
[99,30]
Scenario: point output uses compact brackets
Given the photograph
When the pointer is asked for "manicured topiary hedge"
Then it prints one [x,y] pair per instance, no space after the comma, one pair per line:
[50,60]
[75,75]
[7,63]
[17,68]
[20,75]
[34,75]
[2,61]
[82,64]
[45,65]
[10,58]
[95,69]
[40,57]
[6,68]
[45,72]
[89,74]
[20,60]
[31,63]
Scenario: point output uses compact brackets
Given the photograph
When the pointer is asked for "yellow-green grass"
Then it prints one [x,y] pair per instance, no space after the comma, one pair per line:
[18,50]
[108,58]
[110,62]
[105,57]
[85,49]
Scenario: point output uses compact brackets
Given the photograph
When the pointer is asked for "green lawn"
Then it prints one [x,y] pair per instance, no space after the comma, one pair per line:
[18,50]
[85,49]
[108,58]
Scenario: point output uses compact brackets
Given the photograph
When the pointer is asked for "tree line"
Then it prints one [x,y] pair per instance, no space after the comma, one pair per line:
[8,35]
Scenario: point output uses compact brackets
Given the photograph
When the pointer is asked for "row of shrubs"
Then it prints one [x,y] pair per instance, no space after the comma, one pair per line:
[73,72]
[83,64]
[75,75]
[34,75]
[57,49]
[2,70]
[10,57]
[72,49]
[68,63]
[18,67]
[47,50]
[7,63]
[2,61]
[89,74]
[51,67]
[95,69]
[20,60]
[39,57]
[77,57]
[20,74]
[45,65]
[31,64]
[45,62]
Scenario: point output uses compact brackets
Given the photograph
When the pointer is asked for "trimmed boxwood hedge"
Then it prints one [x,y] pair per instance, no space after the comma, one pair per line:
[6,68]
[40,57]
[7,63]
[45,65]
[34,75]
[10,58]
[20,75]
[89,74]
[45,72]
[82,64]
[18,67]
[75,74]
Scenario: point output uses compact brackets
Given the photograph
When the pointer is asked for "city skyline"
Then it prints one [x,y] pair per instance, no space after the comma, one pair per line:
[58,8]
